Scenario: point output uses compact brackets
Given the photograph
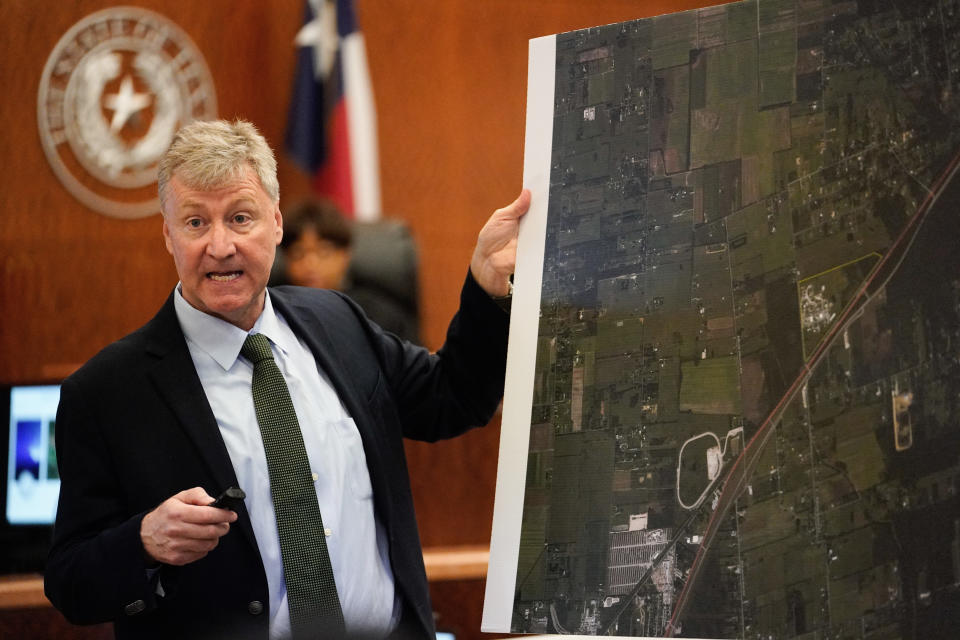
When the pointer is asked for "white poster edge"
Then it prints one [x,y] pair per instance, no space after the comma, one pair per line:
[501,583]
[522,350]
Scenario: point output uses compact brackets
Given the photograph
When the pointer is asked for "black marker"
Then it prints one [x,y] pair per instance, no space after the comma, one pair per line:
[230,499]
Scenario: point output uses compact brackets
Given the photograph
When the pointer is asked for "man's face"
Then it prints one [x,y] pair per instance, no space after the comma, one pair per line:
[223,242]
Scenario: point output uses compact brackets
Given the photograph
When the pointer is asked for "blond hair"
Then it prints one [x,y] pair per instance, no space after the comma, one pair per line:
[207,153]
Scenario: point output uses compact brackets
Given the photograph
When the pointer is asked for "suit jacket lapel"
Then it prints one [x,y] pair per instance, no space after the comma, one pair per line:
[177,383]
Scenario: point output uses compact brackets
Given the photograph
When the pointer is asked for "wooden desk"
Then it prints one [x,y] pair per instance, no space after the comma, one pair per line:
[22,592]
[442,563]
[456,563]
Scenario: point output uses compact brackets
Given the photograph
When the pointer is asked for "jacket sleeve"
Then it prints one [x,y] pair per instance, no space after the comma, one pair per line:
[442,395]
[96,569]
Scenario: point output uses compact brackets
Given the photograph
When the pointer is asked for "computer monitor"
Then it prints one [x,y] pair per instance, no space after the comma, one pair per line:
[30,482]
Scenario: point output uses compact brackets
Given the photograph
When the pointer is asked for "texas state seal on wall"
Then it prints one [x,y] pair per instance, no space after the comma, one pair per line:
[115,89]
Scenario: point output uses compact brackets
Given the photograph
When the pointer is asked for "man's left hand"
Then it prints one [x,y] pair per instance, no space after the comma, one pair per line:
[495,255]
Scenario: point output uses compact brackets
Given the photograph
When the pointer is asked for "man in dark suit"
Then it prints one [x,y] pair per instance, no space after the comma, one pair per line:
[161,421]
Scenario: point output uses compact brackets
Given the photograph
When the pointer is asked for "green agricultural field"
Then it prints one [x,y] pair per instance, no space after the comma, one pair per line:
[754,230]
[777,66]
[710,386]
[674,36]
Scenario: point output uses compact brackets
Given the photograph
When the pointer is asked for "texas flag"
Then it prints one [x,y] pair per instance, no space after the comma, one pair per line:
[331,128]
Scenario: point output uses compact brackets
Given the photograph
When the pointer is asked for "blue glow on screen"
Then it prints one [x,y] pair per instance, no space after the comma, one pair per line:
[33,480]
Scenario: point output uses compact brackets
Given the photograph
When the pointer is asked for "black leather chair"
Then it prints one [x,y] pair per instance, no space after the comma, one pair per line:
[383,277]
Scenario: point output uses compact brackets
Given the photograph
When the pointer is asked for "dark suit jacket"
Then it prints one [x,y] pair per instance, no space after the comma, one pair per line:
[134,428]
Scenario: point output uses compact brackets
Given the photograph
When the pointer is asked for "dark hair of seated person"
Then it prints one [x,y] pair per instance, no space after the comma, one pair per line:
[376,266]
[320,215]
[316,244]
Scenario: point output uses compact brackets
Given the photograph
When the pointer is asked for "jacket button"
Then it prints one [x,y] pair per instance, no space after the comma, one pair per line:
[255,608]
[135,607]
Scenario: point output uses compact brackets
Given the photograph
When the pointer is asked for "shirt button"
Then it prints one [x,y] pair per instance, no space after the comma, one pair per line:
[327,532]
[315,477]
[255,608]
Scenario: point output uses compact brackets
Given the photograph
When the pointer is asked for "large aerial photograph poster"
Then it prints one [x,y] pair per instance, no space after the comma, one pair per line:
[733,396]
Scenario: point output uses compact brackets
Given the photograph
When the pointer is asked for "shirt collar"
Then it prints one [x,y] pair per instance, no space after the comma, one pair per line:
[221,340]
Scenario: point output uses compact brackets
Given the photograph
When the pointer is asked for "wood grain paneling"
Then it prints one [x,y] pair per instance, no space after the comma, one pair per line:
[47,623]
[458,608]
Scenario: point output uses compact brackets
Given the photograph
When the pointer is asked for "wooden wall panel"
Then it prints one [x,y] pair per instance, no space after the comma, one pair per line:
[47,623]
[458,607]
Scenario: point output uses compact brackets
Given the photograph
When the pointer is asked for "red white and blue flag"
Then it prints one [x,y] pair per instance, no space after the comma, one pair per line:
[331,127]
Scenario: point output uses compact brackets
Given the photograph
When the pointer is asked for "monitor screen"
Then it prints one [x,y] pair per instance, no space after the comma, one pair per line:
[32,479]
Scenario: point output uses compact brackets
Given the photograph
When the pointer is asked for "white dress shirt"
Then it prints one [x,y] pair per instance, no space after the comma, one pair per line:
[356,540]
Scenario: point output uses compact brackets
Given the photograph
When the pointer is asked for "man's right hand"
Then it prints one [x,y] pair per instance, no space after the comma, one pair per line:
[184,528]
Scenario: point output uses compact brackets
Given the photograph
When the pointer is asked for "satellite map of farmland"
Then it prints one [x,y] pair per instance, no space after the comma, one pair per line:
[746,403]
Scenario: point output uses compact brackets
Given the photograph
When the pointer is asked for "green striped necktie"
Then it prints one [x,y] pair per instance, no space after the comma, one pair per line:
[311,591]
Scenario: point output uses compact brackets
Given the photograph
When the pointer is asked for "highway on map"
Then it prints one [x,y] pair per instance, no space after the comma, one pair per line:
[735,479]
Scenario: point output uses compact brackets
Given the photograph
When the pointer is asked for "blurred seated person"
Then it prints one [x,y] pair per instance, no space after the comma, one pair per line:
[375,264]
